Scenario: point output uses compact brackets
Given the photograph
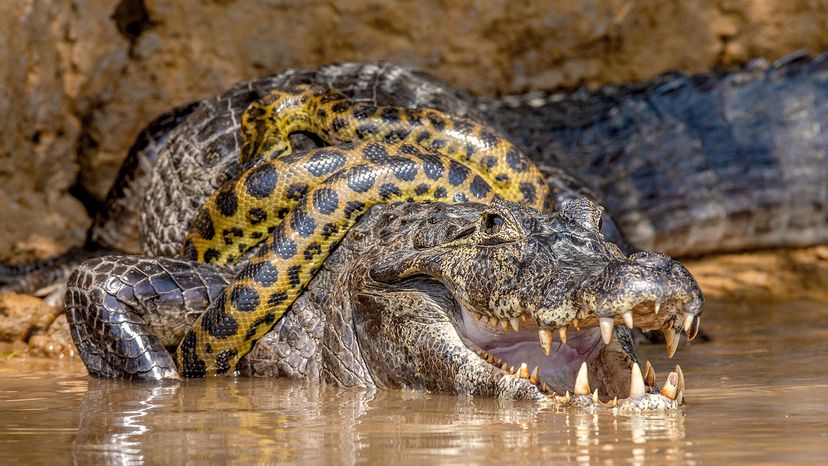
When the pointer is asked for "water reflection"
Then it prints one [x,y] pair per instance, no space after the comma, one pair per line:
[277,420]
[756,393]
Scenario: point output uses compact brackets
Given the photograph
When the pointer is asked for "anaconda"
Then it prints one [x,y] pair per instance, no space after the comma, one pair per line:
[620,141]
[321,194]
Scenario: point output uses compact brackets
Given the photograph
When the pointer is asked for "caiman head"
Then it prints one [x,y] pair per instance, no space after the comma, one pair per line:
[525,303]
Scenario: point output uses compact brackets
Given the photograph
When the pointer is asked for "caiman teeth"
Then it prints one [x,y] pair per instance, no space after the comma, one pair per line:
[670,389]
[649,375]
[515,323]
[576,324]
[688,321]
[582,381]
[595,396]
[534,377]
[562,334]
[637,389]
[523,372]
[672,337]
[657,306]
[694,328]
[545,336]
[607,326]
[628,319]
[504,324]
[680,386]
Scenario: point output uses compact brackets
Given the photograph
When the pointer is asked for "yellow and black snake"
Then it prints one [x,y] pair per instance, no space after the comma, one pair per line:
[304,203]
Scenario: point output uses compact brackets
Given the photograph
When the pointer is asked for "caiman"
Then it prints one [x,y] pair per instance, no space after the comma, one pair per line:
[685,165]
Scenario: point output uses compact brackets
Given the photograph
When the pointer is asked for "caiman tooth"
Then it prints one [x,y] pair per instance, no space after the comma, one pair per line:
[636,383]
[512,370]
[490,359]
[688,321]
[614,402]
[606,328]
[694,328]
[595,396]
[680,384]
[567,397]
[545,336]
[582,381]
[628,319]
[515,323]
[669,388]
[672,337]
[657,306]
[534,377]
[504,324]
[504,367]
[649,375]
[562,334]
[523,373]
[544,388]
[576,324]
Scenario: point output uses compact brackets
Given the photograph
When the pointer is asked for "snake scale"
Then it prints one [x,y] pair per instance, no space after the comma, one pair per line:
[301,204]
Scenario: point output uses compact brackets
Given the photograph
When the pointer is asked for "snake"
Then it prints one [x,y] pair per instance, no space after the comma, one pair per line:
[302,204]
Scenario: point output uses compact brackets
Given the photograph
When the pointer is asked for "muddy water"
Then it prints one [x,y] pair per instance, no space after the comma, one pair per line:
[757,393]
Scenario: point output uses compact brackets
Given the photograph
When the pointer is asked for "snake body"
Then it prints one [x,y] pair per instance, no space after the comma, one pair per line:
[304,203]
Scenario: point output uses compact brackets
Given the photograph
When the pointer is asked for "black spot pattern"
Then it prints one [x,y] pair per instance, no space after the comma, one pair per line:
[360,179]
[421,189]
[263,273]
[203,225]
[216,322]
[229,234]
[516,161]
[211,255]
[266,319]
[489,162]
[489,139]
[457,173]
[440,193]
[277,298]
[329,229]
[479,188]
[404,169]
[366,131]
[223,360]
[256,215]
[364,111]
[337,124]
[227,203]
[282,246]
[503,177]
[313,249]
[192,365]
[353,207]
[438,144]
[340,107]
[261,181]
[296,191]
[325,162]
[390,115]
[325,200]
[375,153]
[460,197]
[301,222]
[293,275]
[408,149]
[529,192]
[432,166]
[389,190]
[422,137]
[244,298]
[438,123]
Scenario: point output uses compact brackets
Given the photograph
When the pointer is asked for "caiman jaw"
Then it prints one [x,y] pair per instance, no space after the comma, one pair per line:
[548,358]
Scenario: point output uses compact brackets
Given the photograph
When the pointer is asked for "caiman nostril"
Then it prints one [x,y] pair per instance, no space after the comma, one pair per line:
[652,259]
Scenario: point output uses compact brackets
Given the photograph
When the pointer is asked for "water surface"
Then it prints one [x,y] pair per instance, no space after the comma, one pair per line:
[757,393]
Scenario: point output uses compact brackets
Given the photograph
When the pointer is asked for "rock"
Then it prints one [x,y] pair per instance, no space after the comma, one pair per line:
[79,79]
[22,315]
[56,341]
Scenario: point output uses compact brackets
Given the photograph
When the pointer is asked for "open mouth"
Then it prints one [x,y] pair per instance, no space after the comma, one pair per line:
[592,360]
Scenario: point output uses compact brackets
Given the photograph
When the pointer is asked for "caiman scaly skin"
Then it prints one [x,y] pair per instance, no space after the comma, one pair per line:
[395,305]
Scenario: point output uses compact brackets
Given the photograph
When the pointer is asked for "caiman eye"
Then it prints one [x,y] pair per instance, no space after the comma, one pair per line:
[492,223]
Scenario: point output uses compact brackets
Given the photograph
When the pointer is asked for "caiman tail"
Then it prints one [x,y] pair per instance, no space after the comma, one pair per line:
[691,165]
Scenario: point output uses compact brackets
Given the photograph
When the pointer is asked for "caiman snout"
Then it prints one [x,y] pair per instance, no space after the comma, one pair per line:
[639,288]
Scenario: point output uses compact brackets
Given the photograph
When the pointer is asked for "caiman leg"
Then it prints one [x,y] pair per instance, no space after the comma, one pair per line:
[125,311]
